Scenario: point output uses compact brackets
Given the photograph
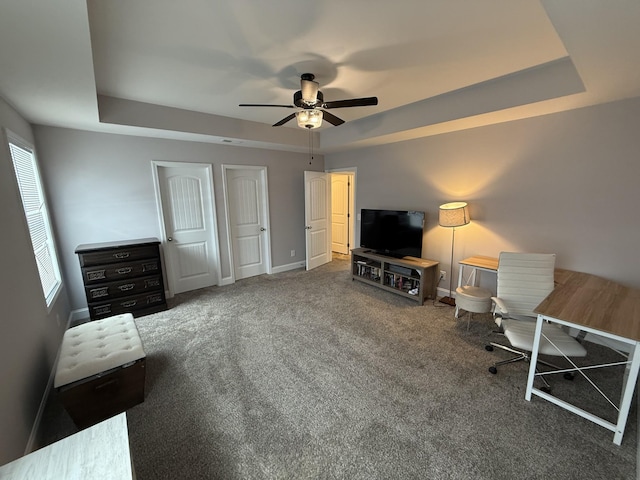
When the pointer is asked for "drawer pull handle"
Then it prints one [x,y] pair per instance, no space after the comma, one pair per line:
[121,255]
[126,287]
[96,275]
[154,298]
[124,270]
[103,309]
[130,303]
[99,292]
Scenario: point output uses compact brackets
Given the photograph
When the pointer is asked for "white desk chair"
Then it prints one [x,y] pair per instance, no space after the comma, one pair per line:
[524,280]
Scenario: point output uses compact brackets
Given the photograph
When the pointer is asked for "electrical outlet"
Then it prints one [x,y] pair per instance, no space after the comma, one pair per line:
[293,253]
[443,274]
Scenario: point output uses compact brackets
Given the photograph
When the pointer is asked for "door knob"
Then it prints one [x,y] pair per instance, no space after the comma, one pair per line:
[170,239]
[262,229]
[307,228]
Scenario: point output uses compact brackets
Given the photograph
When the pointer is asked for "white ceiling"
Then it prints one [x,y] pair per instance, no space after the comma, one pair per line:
[180,69]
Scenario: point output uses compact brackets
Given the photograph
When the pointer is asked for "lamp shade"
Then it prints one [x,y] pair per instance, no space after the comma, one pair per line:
[455,214]
[309,118]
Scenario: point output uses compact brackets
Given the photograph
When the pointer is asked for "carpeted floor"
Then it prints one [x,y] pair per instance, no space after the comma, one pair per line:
[309,375]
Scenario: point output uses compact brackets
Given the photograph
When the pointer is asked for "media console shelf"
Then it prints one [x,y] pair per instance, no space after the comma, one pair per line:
[414,278]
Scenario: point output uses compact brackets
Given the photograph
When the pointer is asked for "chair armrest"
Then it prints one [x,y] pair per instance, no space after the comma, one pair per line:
[499,311]
[500,305]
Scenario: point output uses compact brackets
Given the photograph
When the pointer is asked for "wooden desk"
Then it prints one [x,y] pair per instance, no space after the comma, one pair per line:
[490,264]
[98,452]
[602,307]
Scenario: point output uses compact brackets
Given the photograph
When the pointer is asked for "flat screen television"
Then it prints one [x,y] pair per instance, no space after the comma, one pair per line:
[397,233]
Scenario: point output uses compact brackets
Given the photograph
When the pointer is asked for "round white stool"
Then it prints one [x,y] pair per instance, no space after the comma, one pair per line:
[473,300]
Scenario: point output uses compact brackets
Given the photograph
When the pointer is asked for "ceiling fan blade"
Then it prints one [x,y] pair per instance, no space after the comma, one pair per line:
[332,119]
[353,102]
[284,120]
[264,105]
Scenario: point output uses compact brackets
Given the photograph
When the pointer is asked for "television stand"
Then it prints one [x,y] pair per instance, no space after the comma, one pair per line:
[410,277]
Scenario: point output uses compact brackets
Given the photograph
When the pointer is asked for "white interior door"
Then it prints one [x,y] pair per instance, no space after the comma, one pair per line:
[341,206]
[188,217]
[317,213]
[247,211]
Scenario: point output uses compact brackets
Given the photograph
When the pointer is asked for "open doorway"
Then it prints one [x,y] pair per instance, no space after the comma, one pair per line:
[329,215]
[342,212]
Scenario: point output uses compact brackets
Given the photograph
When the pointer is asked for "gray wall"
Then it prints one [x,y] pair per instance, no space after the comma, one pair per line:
[102,189]
[564,183]
[29,335]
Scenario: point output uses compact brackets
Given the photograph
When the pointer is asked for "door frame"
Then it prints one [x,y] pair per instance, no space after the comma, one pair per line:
[265,213]
[208,168]
[353,217]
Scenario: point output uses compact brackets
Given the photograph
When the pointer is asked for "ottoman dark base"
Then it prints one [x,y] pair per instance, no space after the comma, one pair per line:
[96,398]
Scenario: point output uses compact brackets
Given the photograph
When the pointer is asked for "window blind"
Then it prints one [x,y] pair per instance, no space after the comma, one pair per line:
[35,209]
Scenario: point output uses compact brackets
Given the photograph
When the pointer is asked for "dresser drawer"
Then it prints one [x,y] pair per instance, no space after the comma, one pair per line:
[119,271]
[137,305]
[121,288]
[123,254]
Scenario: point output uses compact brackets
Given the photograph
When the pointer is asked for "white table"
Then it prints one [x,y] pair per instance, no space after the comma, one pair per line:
[100,452]
[601,307]
[476,263]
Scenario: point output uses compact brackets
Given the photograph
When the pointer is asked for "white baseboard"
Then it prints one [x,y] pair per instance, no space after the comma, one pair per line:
[290,266]
[43,402]
[78,316]
[444,292]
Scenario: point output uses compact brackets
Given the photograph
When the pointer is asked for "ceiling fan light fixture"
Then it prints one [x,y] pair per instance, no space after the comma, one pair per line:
[309,118]
[309,92]
[309,89]
[310,101]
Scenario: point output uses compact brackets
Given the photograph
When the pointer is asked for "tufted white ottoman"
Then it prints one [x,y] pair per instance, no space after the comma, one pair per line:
[101,369]
[473,300]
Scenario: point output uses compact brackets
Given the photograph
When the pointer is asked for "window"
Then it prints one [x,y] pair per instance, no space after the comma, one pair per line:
[37,216]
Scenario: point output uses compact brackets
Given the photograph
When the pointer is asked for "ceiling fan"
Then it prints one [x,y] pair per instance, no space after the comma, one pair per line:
[314,108]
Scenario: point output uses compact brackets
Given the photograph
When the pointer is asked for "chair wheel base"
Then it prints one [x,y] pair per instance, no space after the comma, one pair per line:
[493,370]
[489,348]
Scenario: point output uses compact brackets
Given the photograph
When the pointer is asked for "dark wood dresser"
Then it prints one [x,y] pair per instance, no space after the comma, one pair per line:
[121,277]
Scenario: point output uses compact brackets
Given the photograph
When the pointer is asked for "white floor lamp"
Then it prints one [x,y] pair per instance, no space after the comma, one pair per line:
[452,215]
